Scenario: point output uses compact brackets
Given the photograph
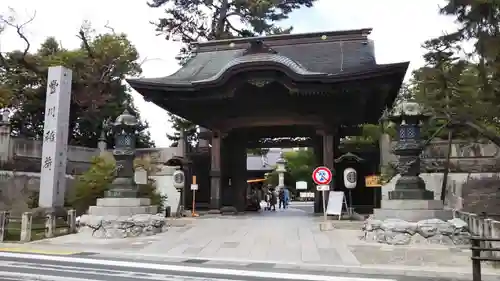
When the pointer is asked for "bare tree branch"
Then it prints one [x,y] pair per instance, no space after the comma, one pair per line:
[109,27]
[86,45]
[19,30]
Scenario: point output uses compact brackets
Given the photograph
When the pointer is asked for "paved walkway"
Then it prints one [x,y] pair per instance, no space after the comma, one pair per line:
[289,236]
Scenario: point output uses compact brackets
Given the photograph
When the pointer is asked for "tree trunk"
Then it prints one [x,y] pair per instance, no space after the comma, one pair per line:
[446,167]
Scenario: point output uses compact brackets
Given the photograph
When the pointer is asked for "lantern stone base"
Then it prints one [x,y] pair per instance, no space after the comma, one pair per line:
[122,207]
[412,210]
[410,188]
[411,194]
[112,227]
[122,217]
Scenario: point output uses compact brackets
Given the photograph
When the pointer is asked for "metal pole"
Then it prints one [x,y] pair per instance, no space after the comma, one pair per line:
[194,204]
[324,204]
[350,203]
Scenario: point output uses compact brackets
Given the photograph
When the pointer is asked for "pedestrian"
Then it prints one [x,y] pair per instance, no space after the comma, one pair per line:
[281,198]
[286,197]
[268,200]
[274,199]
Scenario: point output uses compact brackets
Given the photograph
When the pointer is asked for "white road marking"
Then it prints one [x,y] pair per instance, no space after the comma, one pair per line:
[193,269]
[44,271]
[38,277]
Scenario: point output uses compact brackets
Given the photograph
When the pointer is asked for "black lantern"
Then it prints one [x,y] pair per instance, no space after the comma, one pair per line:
[409,117]
[125,132]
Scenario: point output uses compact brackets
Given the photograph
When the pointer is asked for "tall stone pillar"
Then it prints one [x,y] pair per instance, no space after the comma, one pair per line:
[215,172]
[5,137]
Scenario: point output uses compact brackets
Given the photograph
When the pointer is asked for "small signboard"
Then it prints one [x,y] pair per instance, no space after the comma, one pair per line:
[301,185]
[373,181]
[322,176]
[306,195]
[194,187]
[335,201]
[140,176]
[323,187]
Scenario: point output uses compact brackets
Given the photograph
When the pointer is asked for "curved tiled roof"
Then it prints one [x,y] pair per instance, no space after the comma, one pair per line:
[262,58]
[302,58]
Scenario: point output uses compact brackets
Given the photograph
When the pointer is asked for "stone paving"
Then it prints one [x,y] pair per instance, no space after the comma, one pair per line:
[284,237]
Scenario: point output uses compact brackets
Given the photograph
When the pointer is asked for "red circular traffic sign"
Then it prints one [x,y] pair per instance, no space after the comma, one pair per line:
[322,175]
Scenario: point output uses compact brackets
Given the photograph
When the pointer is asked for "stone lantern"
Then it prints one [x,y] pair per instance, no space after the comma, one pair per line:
[281,169]
[408,116]
[124,130]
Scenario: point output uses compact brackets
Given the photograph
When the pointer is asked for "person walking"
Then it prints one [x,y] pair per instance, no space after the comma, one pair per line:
[286,197]
[281,198]
[268,200]
[274,199]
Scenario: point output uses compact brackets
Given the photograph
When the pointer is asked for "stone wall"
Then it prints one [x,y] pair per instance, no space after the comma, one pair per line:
[25,155]
[18,190]
[472,192]
[466,156]
[20,162]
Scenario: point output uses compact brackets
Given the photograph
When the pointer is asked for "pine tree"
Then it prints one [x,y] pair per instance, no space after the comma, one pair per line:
[202,20]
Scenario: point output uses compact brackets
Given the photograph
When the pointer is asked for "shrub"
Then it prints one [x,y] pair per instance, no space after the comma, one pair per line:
[92,184]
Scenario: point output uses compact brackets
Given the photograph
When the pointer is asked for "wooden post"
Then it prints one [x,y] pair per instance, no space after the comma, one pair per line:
[194,187]
[476,262]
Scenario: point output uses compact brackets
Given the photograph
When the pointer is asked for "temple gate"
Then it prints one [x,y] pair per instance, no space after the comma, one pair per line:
[318,86]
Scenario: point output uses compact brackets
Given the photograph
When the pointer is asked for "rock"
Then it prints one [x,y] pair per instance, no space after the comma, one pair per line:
[431,227]
[371,224]
[458,224]
[123,227]
[375,236]
[396,225]
[440,239]
[432,231]
[397,238]
[461,238]
[418,239]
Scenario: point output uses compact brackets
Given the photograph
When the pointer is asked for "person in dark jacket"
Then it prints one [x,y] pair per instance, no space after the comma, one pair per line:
[273,200]
[281,198]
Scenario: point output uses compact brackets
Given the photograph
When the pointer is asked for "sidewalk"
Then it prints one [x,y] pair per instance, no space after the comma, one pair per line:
[286,239]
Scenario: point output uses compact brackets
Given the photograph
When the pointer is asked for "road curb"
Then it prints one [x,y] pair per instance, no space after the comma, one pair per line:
[385,270]
[25,250]
[410,271]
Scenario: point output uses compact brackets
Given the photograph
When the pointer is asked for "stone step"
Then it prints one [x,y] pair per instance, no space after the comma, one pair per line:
[123,202]
[122,210]
[412,215]
[412,204]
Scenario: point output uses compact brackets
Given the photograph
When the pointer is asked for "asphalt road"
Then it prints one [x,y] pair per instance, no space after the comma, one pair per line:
[20,266]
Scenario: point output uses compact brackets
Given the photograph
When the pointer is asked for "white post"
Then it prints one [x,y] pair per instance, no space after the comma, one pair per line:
[55,138]
[324,204]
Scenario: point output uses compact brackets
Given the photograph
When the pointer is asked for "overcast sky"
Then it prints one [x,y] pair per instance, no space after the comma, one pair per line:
[399,28]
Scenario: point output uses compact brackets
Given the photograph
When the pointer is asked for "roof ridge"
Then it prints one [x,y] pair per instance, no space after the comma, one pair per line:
[363,32]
